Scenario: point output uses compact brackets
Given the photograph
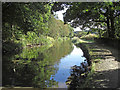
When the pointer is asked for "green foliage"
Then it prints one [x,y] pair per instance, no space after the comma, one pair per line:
[25,23]
[75,40]
[89,37]
[58,29]
[34,66]
[101,15]
[80,33]
[30,24]
[28,16]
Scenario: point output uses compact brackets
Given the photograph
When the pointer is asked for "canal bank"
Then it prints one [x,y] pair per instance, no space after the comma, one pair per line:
[104,60]
[83,77]
[42,67]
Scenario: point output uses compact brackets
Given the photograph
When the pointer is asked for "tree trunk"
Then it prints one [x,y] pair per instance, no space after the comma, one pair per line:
[108,27]
[112,25]
[99,32]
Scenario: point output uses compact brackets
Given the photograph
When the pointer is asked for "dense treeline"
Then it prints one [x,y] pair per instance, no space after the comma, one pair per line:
[30,23]
[101,17]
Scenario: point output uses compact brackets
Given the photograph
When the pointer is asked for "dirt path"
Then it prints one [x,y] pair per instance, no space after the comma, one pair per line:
[107,66]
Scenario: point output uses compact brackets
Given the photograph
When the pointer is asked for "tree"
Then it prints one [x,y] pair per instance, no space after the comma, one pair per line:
[25,16]
[88,14]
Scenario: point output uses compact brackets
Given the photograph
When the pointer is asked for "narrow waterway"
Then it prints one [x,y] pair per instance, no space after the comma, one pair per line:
[65,64]
[41,67]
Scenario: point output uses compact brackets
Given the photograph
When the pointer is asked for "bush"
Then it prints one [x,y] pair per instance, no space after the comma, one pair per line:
[89,36]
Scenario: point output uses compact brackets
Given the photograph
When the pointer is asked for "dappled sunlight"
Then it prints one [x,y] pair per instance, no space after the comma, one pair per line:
[105,65]
[60,44]
[103,79]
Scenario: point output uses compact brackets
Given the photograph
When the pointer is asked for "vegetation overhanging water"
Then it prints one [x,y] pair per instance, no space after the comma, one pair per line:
[41,66]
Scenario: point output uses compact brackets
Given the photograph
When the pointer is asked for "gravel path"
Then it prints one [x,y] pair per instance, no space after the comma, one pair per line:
[107,67]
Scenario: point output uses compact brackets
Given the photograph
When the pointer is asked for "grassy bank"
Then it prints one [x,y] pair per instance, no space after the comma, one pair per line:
[91,62]
[103,56]
[86,43]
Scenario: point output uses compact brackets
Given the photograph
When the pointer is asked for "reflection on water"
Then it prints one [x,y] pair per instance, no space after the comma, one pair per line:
[41,66]
[65,64]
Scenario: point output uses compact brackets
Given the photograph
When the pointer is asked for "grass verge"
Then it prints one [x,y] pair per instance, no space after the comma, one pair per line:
[86,44]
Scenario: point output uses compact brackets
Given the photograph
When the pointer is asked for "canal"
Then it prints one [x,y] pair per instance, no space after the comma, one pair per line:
[41,67]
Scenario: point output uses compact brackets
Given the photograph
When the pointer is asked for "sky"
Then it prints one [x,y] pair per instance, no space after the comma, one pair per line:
[60,17]
[60,14]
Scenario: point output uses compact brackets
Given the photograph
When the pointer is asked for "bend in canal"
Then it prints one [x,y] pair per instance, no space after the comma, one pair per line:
[41,66]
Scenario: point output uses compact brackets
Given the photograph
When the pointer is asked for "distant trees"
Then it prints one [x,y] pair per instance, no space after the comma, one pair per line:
[58,29]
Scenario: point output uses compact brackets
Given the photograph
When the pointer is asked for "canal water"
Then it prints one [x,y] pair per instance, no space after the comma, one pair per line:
[41,67]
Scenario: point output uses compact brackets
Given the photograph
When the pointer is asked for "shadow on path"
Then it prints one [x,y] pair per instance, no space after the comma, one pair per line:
[107,71]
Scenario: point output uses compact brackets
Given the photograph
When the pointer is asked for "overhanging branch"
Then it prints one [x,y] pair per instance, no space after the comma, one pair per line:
[99,21]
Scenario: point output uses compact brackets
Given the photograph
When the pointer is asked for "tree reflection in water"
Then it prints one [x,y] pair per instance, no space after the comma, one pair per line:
[34,66]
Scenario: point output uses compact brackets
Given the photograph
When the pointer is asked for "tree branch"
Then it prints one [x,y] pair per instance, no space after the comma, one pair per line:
[99,21]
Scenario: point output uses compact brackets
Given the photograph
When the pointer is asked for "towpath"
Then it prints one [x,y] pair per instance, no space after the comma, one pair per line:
[107,65]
